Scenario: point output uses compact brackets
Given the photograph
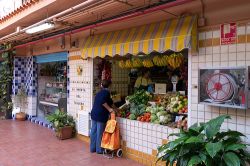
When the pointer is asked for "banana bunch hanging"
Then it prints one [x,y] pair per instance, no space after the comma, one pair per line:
[128,64]
[175,60]
[121,64]
[147,63]
[137,63]
[160,61]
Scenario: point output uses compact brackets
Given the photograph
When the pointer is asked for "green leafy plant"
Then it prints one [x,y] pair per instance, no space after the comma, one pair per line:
[205,145]
[21,98]
[60,119]
[6,75]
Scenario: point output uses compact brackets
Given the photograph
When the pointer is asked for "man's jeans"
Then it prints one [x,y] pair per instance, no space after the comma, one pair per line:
[96,136]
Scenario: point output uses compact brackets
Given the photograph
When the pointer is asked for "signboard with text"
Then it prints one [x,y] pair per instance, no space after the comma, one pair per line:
[228,33]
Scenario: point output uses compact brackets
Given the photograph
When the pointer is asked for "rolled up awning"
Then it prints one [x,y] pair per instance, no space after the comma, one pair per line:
[175,35]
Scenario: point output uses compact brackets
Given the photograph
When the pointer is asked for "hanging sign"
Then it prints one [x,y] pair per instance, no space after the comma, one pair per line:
[228,33]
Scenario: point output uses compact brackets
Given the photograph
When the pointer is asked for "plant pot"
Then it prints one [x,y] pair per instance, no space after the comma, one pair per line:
[65,132]
[20,116]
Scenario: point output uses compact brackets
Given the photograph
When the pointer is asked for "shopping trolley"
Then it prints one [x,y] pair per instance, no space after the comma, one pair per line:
[111,139]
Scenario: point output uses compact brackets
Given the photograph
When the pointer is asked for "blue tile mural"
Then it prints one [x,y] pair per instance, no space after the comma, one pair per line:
[25,74]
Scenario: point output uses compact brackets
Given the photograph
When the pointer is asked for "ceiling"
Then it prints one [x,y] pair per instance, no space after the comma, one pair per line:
[214,11]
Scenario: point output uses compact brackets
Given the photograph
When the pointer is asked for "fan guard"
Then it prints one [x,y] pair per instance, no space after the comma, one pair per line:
[220,87]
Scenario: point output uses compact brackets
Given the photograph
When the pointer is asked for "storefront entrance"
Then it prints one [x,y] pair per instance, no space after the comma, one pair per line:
[52,84]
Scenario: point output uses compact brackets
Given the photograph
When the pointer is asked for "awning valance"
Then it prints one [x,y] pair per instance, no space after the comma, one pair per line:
[175,34]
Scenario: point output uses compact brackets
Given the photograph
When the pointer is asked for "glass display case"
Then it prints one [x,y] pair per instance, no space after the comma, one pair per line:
[52,87]
[53,92]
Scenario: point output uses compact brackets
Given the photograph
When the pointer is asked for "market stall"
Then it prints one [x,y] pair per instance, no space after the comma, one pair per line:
[147,115]
[163,101]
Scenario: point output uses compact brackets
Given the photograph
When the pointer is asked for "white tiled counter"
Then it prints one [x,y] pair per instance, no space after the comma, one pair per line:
[140,139]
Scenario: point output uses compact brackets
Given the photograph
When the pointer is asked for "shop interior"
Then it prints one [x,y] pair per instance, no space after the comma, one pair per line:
[52,88]
[163,101]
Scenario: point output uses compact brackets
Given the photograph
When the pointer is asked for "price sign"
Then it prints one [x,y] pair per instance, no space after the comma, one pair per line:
[228,33]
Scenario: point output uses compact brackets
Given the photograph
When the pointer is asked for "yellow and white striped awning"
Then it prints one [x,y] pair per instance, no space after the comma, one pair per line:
[175,35]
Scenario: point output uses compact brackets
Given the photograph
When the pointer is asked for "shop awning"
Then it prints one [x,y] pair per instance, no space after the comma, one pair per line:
[175,34]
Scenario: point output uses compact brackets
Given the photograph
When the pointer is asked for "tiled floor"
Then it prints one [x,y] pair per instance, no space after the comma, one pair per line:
[28,144]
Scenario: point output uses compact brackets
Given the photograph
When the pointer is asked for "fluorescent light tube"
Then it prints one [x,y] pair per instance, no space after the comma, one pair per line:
[40,28]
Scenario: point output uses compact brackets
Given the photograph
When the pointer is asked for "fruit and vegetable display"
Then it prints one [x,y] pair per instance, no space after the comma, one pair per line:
[178,104]
[145,117]
[159,115]
[139,97]
[136,110]
[163,109]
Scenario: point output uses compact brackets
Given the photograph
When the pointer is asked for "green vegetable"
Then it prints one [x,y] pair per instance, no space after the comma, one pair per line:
[164,119]
[153,117]
[161,113]
[132,117]
[137,110]
[156,122]
[139,97]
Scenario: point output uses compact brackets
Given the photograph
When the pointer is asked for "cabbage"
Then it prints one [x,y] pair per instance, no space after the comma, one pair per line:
[160,108]
[153,117]
[156,122]
[163,119]
[132,117]
[161,113]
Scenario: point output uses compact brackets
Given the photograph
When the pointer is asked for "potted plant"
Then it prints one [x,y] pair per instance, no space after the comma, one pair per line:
[21,99]
[64,124]
[206,145]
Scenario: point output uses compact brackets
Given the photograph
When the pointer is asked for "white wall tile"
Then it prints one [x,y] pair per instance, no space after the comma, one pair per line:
[216,50]
[247,55]
[201,114]
[209,57]
[241,63]
[241,47]
[241,128]
[232,56]
[202,58]
[248,130]
[216,57]
[209,35]
[216,64]
[241,120]
[202,35]
[216,34]
[224,49]
[208,115]
[241,56]
[209,50]
[241,30]
[224,57]
[248,47]
[232,63]
[202,51]
[194,114]
[232,48]
[195,66]
[224,64]
[232,126]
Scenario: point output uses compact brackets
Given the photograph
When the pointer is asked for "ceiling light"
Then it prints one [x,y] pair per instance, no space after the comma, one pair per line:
[40,28]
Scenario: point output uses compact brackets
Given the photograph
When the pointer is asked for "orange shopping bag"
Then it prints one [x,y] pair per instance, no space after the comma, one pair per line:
[111,135]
